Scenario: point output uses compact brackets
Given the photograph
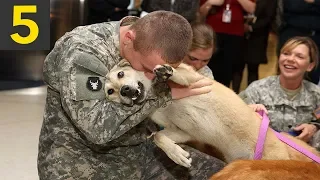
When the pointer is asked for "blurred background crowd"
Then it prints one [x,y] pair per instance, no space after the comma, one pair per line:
[246,48]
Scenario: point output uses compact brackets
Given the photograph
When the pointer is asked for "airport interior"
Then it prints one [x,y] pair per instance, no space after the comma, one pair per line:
[23,93]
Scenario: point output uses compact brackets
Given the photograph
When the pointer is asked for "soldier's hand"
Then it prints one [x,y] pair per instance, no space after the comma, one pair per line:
[200,87]
[308,130]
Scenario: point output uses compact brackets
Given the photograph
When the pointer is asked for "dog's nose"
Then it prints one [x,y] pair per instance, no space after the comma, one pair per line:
[128,91]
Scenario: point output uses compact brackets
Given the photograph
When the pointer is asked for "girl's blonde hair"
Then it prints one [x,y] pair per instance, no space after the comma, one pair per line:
[203,36]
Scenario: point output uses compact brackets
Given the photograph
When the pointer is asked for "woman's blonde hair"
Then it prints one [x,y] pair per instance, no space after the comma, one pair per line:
[204,36]
[298,40]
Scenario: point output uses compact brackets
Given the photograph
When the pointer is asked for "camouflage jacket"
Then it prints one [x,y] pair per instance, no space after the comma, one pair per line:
[282,112]
[77,111]
[206,71]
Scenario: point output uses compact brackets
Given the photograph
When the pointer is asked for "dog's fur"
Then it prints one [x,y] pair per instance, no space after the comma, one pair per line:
[269,170]
[219,118]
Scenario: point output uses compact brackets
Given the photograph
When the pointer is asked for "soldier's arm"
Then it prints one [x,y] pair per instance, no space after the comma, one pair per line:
[250,95]
[98,119]
[316,112]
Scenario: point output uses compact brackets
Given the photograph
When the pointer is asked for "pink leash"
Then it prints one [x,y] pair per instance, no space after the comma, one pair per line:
[262,136]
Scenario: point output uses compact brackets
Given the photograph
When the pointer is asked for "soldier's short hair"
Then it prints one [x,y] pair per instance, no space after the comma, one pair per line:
[164,32]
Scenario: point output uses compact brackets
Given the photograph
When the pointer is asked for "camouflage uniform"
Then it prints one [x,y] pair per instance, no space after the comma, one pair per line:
[206,71]
[85,136]
[284,113]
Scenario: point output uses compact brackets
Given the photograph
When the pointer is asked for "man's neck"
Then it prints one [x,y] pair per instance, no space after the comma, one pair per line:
[290,84]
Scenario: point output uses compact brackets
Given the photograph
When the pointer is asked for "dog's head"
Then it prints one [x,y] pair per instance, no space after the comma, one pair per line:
[126,85]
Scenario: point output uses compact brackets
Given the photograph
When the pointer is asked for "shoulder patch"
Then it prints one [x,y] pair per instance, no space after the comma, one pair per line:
[94,84]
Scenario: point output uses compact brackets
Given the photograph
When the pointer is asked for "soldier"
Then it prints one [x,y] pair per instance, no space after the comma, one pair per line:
[289,100]
[85,136]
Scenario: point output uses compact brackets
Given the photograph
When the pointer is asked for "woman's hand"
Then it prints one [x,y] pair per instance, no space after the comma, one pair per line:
[257,108]
[308,130]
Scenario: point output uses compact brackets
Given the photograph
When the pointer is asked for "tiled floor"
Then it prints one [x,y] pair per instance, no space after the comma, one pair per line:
[20,121]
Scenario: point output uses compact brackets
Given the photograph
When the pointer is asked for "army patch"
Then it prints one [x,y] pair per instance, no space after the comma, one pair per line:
[94,84]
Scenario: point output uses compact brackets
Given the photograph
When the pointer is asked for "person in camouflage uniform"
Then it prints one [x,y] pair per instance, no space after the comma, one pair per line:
[85,136]
[290,100]
[201,49]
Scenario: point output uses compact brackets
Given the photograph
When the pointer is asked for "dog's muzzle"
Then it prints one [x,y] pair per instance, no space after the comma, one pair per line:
[131,92]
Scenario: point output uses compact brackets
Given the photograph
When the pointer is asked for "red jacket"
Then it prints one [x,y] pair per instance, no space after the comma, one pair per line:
[236,27]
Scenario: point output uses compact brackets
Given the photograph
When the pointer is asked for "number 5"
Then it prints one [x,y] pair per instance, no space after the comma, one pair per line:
[34,29]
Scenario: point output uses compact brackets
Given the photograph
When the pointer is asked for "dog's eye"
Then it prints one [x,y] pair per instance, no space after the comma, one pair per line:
[120,74]
[110,91]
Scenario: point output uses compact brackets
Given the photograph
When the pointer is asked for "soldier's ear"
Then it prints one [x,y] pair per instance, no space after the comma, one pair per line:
[124,63]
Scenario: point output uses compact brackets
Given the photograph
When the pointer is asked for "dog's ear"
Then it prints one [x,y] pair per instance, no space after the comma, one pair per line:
[124,63]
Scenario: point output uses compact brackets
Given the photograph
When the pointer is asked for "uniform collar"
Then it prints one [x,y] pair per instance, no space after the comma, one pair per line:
[301,99]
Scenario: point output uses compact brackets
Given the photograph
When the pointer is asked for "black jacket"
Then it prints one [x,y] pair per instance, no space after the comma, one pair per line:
[257,42]
[300,14]
[265,13]
[104,10]
[186,8]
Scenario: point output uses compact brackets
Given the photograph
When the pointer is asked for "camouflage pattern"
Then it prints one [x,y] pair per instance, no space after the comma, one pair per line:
[284,113]
[206,71]
[85,136]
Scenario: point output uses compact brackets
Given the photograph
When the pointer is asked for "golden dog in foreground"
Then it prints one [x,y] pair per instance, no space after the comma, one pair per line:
[219,118]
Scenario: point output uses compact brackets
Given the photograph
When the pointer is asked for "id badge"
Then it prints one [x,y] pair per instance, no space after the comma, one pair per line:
[227,15]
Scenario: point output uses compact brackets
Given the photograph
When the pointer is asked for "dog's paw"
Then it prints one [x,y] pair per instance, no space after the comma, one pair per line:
[163,72]
[179,156]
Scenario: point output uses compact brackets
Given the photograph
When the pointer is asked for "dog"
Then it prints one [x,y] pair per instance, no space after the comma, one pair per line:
[219,118]
[268,170]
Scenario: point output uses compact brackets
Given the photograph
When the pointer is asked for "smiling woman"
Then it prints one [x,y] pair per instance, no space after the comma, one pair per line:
[298,56]
[289,99]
